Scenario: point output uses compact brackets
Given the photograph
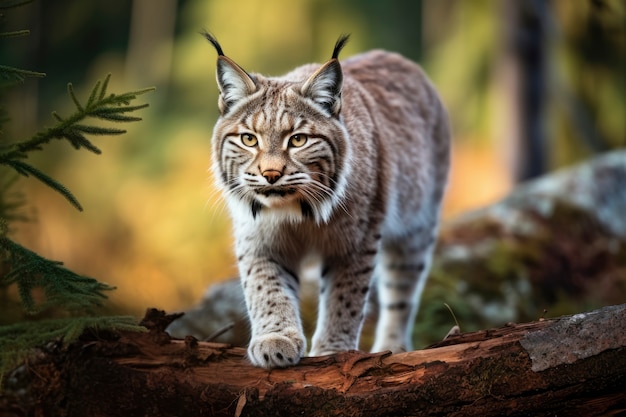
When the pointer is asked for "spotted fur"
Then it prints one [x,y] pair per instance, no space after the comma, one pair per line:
[344,163]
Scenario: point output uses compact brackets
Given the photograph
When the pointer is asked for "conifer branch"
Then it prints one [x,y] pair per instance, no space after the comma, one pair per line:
[11,75]
[100,105]
[18,340]
[10,202]
[61,286]
[26,170]
[14,34]
[9,4]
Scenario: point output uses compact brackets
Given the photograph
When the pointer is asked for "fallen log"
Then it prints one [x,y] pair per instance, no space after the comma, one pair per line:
[573,365]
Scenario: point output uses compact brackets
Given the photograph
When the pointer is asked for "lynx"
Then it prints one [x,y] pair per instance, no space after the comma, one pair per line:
[341,163]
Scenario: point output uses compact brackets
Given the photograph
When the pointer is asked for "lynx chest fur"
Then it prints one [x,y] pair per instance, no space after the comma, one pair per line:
[344,163]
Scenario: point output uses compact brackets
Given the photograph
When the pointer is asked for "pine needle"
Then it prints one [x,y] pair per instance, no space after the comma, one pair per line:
[15,34]
[103,88]
[70,91]
[62,287]
[15,75]
[9,4]
[27,170]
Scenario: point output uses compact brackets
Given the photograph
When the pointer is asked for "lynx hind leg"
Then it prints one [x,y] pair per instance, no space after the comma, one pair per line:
[402,272]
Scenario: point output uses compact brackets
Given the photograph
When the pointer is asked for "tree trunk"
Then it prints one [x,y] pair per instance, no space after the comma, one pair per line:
[574,365]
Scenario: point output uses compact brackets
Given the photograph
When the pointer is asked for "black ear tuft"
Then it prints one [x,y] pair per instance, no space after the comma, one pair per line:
[233,82]
[324,86]
[341,42]
[209,37]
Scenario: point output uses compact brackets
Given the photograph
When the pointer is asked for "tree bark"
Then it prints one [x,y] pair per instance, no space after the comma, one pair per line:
[574,365]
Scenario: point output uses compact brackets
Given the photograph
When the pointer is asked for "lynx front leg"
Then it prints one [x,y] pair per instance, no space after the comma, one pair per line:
[271,297]
[343,294]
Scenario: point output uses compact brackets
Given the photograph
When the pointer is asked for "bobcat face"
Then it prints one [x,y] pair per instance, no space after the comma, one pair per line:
[280,152]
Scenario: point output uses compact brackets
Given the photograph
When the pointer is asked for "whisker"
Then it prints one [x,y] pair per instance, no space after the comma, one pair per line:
[329,192]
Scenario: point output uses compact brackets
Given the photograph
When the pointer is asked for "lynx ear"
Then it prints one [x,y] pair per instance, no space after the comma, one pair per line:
[324,86]
[233,82]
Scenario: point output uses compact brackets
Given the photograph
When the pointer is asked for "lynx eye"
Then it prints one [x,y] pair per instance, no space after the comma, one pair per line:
[296,141]
[249,140]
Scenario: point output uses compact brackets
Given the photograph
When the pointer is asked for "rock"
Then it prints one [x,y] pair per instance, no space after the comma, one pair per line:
[556,244]
[221,307]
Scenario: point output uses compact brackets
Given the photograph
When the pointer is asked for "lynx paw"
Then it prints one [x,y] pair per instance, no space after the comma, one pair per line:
[277,350]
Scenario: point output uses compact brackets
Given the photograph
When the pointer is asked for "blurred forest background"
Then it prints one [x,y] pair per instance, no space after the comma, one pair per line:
[531,86]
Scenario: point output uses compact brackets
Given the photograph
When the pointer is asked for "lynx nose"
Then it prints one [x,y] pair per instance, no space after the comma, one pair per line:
[271,175]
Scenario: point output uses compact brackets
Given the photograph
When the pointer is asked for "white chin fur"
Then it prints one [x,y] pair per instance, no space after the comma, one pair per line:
[279,212]
[277,202]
